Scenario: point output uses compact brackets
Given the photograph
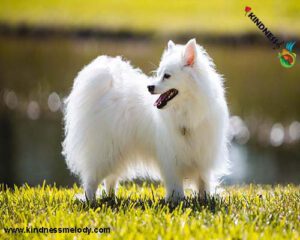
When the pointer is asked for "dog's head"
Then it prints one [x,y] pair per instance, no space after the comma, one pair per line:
[177,73]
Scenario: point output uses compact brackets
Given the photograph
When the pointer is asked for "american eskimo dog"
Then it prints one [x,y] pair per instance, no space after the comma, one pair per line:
[176,122]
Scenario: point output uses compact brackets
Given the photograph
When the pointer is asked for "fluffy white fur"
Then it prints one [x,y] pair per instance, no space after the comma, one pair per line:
[112,125]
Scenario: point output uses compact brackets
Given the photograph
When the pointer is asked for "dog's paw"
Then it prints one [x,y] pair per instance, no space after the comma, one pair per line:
[80,197]
[100,193]
[175,197]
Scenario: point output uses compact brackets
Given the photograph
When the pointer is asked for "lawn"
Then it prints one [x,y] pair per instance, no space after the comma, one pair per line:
[162,17]
[138,212]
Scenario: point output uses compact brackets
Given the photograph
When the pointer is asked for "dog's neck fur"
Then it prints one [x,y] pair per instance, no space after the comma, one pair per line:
[195,103]
[183,114]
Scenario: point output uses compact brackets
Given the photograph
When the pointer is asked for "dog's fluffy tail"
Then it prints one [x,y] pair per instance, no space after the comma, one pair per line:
[91,84]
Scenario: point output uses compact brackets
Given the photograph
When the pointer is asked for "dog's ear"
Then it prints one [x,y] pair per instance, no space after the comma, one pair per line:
[190,53]
[171,44]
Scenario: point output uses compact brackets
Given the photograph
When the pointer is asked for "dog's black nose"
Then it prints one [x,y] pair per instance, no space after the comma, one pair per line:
[151,88]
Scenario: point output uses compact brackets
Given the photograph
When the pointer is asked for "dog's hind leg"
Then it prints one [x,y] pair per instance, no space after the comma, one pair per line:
[91,182]
[110,184]
[90,186]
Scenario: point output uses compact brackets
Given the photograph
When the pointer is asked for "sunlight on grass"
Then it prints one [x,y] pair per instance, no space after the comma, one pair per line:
[248,212]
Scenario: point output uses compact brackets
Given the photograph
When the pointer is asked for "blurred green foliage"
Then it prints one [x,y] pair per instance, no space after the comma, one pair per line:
[256,84]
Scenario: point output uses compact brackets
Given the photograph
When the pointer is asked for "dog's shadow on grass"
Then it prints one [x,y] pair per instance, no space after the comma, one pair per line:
[194,202]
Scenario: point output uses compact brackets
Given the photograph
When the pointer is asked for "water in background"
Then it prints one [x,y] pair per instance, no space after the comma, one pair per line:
[36,74]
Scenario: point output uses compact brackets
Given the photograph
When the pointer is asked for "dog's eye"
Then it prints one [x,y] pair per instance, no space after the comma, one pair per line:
[166,76]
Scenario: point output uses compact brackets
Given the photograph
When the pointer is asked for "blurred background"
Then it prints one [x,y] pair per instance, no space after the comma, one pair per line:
[43,44]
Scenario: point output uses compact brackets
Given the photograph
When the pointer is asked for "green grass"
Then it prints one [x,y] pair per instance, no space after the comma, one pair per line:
[138,212]
[168,16]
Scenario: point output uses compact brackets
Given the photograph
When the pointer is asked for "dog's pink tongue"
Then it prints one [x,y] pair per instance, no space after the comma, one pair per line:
[159,100]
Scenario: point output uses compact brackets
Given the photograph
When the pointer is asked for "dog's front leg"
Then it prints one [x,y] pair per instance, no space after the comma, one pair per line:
[173,182]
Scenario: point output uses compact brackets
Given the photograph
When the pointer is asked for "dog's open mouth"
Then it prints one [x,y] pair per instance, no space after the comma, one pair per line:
[165,98]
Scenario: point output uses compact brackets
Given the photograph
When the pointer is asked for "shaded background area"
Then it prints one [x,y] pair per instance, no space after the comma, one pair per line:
[44,44]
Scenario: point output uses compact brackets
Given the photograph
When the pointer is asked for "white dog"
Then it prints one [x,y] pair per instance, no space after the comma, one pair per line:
[114,121]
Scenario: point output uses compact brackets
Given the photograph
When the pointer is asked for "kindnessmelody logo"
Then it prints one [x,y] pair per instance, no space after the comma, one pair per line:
[287,57]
